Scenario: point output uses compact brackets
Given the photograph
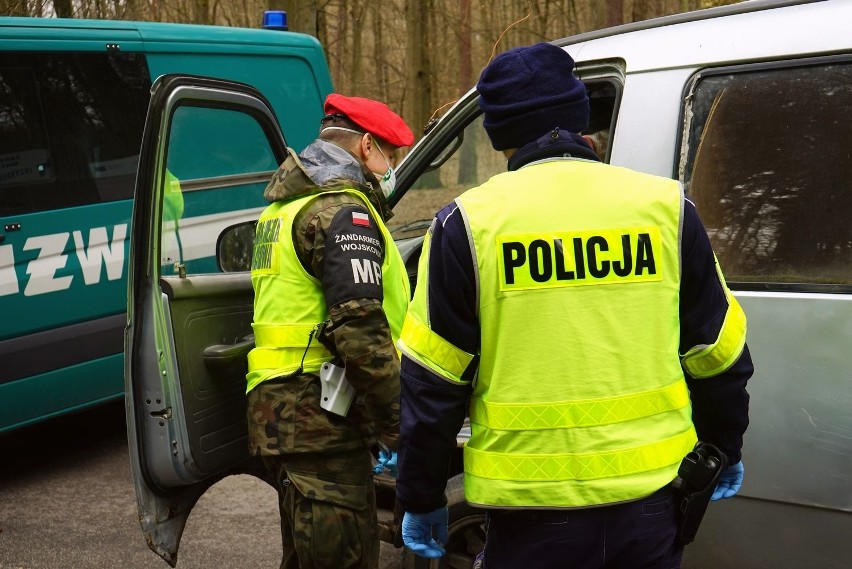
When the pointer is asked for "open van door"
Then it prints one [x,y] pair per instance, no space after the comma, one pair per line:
[208,151]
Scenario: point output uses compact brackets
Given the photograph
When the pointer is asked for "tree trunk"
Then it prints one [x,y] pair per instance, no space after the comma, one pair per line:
[418,93]
[614,12]
[301,14]
[337,46]
[379,54]
[13,8]
[467,158]
[417,84]
[356,16]
[322,23]
[201,11]
[647,9]
[126,10]
[63,8]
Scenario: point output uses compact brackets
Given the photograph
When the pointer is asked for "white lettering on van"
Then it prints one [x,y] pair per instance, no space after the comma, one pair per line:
[101,251]
[8,278]
[42,269]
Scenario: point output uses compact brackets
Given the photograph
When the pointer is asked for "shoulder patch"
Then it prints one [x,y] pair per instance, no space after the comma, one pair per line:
[354,254]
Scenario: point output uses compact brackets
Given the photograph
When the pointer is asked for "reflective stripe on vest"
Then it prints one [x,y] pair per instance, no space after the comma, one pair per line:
[708,361]
[590,413]
[289,302]
[283,346]
[580,398]
[419,342]
[569,467]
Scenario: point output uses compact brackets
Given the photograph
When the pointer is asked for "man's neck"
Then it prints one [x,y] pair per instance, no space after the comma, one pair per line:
[554,144]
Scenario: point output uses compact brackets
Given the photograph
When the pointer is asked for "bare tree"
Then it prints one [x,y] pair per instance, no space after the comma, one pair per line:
[378,30]
[418,80]
[646,9]
[336,45]
[201,11]
[416,55]
[303,15]
[615,12]
[14,8]
[467,160]
[419,88]
[63,8]
[125,9]
[355,13]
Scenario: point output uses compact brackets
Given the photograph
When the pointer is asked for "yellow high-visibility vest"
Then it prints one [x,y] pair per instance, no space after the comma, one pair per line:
[580,398]
[289,302]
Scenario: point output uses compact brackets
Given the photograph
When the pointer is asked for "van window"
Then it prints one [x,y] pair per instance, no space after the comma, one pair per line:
[222,168]
[70,126]
[768,167]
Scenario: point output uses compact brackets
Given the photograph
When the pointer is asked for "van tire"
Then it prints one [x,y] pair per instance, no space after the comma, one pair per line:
[466,533]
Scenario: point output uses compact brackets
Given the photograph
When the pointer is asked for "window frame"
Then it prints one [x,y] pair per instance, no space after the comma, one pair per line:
[686,152]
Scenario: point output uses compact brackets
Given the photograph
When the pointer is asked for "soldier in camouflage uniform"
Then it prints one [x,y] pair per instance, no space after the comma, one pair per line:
[352,285]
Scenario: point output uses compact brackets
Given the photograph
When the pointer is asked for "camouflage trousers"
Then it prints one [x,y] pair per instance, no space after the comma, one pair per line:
[327,504]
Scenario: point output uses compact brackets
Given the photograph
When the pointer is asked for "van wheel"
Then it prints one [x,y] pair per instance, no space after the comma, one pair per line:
[466,533]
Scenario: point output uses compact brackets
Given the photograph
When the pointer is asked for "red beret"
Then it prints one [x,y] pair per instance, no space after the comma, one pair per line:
[372,116]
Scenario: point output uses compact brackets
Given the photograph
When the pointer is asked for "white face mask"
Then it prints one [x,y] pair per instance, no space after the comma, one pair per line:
[387,181]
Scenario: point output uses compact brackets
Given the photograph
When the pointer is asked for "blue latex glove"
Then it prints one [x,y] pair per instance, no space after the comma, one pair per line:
[417,530]
[387,461]
[729,482]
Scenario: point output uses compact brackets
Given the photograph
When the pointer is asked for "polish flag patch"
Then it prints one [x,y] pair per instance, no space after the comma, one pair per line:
[360,219]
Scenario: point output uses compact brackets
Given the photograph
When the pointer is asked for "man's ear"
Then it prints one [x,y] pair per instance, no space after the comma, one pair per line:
[365,146]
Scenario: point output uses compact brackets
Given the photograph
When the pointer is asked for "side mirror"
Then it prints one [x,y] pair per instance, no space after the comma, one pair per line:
[234,247]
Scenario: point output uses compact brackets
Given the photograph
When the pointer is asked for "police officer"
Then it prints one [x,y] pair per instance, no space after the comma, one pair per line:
[330,286]
[577,309]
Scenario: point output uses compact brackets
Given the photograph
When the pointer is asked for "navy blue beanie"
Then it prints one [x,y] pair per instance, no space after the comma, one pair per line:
[527,91]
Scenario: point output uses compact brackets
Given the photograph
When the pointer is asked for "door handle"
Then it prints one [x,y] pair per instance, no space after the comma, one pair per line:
[224,359]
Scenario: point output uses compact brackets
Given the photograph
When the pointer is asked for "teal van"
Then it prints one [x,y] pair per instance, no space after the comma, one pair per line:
[73,100]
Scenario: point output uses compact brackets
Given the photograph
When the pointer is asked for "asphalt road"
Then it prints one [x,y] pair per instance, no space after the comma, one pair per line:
[67,501]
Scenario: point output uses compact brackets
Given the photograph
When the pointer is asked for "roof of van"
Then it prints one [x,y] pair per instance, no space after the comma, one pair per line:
[749,31]
[33,30]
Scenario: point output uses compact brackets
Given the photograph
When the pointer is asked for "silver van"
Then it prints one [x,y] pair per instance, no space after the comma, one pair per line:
[748,106]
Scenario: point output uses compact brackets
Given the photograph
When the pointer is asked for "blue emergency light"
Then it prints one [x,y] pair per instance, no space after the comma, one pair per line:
[275,20]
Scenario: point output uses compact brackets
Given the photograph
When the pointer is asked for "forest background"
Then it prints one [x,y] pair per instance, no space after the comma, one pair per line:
[419,56]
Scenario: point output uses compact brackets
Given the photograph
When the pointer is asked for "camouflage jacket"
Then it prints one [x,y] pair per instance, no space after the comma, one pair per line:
[285,416]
